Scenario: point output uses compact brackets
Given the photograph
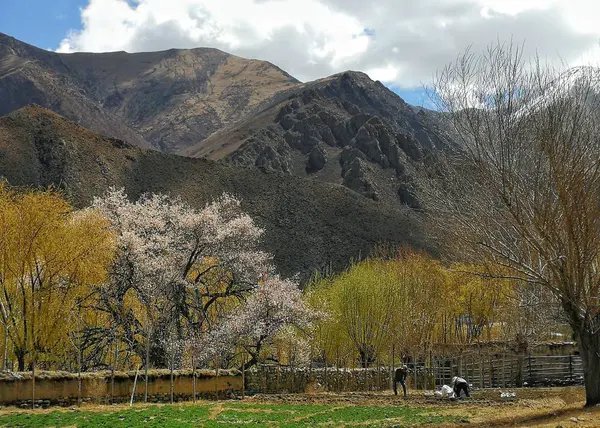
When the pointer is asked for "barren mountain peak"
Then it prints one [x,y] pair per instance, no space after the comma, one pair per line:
[167,100]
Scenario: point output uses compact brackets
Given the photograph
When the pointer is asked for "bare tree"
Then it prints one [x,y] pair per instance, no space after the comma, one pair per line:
[521,189]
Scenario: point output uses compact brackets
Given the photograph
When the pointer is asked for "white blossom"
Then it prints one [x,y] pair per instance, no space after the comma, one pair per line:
[274,306]
[182,261]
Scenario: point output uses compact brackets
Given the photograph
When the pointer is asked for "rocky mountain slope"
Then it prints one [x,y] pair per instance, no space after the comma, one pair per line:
[166,100]
[344,129]
[309,224]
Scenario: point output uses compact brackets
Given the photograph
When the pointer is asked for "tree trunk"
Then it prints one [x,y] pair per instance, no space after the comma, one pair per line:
[147,364]
[79,358]
[5,358]
[589,348]
[171,384]
[20,360]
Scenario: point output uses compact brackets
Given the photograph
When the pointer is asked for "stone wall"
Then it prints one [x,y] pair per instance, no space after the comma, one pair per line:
[274,379]
[52,388]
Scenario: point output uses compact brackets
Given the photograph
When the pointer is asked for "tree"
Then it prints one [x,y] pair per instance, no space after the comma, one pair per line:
[274,307]
[177,266]
[479,300]
[378,303]
[50,258]
[521,188]
[363,301]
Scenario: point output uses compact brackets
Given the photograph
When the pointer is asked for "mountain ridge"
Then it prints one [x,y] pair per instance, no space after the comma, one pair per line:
[344,129]
[158,99]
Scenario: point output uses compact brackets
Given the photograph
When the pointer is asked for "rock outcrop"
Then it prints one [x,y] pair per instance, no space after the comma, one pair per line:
[345,129]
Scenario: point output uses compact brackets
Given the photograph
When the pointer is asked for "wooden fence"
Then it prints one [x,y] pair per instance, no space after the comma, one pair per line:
[507,371]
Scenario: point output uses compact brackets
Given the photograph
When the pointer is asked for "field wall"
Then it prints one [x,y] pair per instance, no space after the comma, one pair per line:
[65,389]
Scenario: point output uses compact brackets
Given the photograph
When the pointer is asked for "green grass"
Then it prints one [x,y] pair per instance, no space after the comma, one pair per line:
[229,414]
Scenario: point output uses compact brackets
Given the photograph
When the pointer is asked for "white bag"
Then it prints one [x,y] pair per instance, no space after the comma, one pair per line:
[447,391]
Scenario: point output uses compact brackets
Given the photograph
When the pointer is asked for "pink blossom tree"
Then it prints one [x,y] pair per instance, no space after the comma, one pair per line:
[275,307]
[180,262]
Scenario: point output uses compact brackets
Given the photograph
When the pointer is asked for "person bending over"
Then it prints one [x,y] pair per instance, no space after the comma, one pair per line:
[400,377]
[459,385]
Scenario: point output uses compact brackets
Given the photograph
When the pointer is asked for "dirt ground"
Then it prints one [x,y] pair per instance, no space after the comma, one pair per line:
[534,407]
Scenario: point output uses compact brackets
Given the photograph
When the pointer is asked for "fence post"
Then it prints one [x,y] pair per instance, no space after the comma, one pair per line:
[243,376]
[512,378]
[481,379]
[436,373]
[391,383]
[491,371]
[112,373]
[530,370]
[310,366]
[193,379]
[33,381]
[134,385]
[504,369]
[293,377]
[325,380]
[378,374]
[216,380]
[338,386]
[79,358]
[416,375]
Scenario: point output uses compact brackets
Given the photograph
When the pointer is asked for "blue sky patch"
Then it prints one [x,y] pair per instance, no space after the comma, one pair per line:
[42,23]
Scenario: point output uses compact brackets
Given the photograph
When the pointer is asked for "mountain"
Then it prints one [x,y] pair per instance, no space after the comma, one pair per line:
[344,129]
[165,100]
[32,75]
[308,224]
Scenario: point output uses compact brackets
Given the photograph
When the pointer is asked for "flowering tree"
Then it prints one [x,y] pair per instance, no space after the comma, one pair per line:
[178,265]
[274,307]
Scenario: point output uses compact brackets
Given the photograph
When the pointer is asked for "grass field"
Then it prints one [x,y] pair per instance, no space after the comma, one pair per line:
[537,408]
[230,414]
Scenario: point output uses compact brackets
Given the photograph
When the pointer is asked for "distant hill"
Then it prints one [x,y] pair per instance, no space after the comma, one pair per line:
[165,100]
[309,224]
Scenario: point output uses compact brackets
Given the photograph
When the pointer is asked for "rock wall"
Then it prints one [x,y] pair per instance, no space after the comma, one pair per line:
[281,380]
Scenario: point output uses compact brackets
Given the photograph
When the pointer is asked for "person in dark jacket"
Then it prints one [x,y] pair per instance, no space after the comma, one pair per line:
[400,377]
[459,385]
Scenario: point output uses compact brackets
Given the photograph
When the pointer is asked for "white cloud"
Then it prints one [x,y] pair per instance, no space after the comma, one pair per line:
[385,74]
[401,42]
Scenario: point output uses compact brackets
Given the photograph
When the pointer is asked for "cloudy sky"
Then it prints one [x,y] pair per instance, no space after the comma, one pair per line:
[400,42]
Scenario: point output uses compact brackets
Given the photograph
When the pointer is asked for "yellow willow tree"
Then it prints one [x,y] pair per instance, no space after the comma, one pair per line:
[360,304]
[378,303]
[421,283]
[49,257]
[479,301]
[328,339]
